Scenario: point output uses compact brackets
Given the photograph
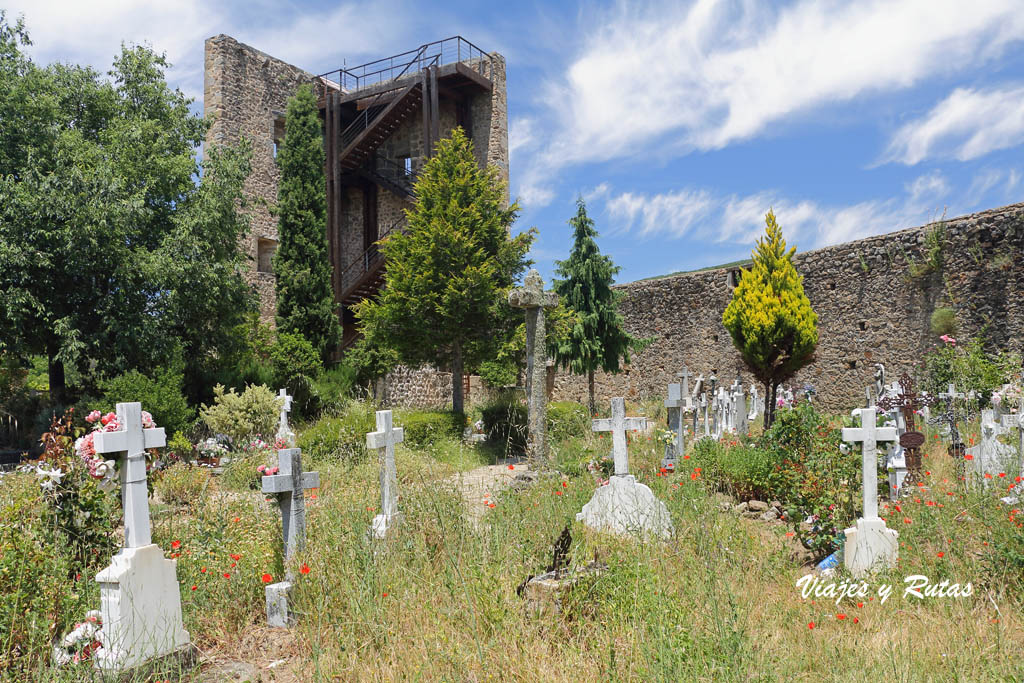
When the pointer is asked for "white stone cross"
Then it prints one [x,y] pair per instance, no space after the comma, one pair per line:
[284,432]
[133,440]
[386,437]
[618,424]
[289,484]
[1015,421]
[869,436]
[951,393]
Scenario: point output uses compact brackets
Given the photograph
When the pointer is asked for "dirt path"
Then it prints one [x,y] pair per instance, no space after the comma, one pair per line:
[480,486]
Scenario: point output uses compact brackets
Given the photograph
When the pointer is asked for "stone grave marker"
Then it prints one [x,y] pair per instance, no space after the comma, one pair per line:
[385,438]
[991,456]
[870,543]
[140,602]
[284,433]
[674,406]
[289,485]
[698,391]
[535,300]
[704,412]
[622,505]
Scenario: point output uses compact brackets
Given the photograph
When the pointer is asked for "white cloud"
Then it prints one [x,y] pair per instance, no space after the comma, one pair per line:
[521,134]
[740,219]
[668,78]
[967,124]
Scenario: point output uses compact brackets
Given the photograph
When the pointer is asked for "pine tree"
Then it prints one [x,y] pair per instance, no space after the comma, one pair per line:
[305,300]
[445,295]
[770,318]
[596,339]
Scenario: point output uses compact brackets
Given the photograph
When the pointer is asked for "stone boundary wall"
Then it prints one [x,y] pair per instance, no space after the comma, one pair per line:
[869,310]
[429,388]
[245,92]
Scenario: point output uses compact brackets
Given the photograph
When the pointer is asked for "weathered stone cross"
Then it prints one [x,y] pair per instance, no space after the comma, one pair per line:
[618,424]
[289,484]
[534,299]
[132,440]
[284,432]
[674,405]
[386,437]
[869,436]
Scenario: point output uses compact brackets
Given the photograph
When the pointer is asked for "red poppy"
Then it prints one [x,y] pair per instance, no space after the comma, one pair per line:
[969,456]
[237,519]
[305,569]
[941,554]
[235,556]
[906,520]
[175,545]
[511,467]
[203,570]
[384,595]
[564,484]
[860,604]
[558,493]
[693,476]
[1002,474]
[267,578]
[194,587]
[810,625]
[226,575]
[856,620]
[840,617]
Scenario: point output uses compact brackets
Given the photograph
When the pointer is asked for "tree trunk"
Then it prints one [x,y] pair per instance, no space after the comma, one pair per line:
[58,388]
[457,398]
[590,388]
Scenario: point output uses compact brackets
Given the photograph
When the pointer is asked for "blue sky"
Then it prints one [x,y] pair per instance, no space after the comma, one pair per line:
[681,123]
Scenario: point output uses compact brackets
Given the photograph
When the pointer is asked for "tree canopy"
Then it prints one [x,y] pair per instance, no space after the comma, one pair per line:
[769,317]
[111,253]
[444,298]
[596,338]
[305,300]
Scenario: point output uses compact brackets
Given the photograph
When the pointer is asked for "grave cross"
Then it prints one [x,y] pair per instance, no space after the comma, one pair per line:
[284,432]
[386,437]
[1015,421]
[869,436]
[685,376]
[534,299]
[132,440]
[289,485]
[618,424]
[674,403]
[907,401]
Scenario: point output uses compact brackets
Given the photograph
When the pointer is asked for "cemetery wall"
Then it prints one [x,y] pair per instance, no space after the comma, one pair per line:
[870,309]
[245,93]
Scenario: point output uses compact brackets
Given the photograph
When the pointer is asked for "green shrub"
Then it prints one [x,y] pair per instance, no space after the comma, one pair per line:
[240,473]
[426,427]
[505,423]
[943,322]
[334,386]
[968,366]
[161,395]
[243,416]
[182,484]
[567,419]
[744,470]
[340,438]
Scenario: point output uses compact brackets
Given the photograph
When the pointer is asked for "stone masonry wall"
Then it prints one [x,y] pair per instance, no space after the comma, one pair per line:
[245,92]
[869,310]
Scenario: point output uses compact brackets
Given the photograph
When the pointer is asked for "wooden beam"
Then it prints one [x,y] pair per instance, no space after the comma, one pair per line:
[472,75]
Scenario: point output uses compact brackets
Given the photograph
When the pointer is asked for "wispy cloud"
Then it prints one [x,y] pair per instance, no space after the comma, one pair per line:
[966,125]
[667,79]
[699,214]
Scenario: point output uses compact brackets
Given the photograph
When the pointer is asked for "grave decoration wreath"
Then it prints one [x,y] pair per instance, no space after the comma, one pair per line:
[104,471]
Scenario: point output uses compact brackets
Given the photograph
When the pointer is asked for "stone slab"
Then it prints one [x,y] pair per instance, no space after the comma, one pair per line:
[625,507]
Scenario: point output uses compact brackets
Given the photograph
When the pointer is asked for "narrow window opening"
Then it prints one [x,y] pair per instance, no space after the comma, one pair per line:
[863,325]
[265,255]
[278,134]
[851,364]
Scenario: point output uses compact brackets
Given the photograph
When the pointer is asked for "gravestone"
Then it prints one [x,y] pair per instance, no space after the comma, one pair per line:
[991,456]
[535,300]
[698,391]
[140,602]
[288,485]
[622,505]
[385,438]
[905,461]
[704,412]
[755,404]
[285,435]
[870,543]
[674,406]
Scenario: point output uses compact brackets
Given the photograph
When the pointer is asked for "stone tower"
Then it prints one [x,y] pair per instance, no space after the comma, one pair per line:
[381,122]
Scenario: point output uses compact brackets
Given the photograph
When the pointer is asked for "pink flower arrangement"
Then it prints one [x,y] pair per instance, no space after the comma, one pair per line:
[85,447]
[267,471]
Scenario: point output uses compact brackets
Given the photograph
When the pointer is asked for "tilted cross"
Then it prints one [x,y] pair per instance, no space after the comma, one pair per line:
[618,424]
[869,436]
[289,485]
[132,440]
[386,437]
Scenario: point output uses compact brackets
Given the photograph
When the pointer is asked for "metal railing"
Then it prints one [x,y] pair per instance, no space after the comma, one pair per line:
[369,258]
[440,52]
[398,173]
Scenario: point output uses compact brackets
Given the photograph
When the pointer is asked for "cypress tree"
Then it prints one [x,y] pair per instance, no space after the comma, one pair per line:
[305,301]
[596,338]
[770,318]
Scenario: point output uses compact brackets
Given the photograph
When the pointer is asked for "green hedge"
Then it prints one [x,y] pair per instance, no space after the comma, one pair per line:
[335,439]
[505,422]
[425,427]
[567,419]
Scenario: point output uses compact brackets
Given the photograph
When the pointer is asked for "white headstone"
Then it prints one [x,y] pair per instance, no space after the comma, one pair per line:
[622,505]
[139,595]
[385,438]
[870,543]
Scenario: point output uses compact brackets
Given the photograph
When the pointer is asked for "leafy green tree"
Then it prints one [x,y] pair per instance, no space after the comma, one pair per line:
[305,300]
[596,338]
[110,253]
[770,318]
[445,296]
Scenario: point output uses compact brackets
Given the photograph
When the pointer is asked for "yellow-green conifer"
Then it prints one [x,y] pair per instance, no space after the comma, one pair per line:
[770,318]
